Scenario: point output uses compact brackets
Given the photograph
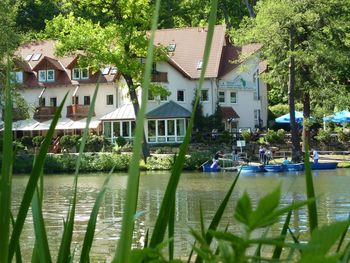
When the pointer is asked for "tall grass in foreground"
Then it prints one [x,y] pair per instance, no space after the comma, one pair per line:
[229,247]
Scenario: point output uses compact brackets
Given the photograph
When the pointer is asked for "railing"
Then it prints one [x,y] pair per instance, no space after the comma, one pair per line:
[78,111]
[44,113]
[159,77]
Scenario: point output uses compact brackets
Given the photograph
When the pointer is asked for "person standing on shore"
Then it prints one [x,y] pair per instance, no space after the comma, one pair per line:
[315,156]
[262,154]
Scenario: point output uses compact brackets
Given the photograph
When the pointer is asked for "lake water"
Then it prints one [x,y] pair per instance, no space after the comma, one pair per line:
[195,189]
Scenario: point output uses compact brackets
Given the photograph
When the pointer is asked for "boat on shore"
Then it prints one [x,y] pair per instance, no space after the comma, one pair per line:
[294,167]
[324,166]
[251,168]
[274,168]
[207,167]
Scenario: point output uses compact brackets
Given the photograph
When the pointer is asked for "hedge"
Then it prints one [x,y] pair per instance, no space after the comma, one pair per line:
[102,162]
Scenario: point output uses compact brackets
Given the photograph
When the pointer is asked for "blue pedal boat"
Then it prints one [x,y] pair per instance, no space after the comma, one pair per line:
[208,169]
[274,167]
[323,166]
[252,169]
[295,167]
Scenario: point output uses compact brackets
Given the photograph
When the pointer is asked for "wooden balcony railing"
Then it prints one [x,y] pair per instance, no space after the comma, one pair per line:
[76,111]
[160,77]
[44,113]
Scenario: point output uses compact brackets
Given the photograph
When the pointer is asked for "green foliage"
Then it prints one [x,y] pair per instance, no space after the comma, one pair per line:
[323,136]
[121,141]
[27,141]
[342,134]
[272,136]
[247,136]
[95,143]
[193,161]
[37,140]
[279,109]
[67,142]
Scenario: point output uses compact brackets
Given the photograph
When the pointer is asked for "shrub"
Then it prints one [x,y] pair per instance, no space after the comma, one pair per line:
[37,140]
[17,145]
[27,141]
[281,134]
[121,141]
[323,135]
[67,142]
[247,136]
[271,136]
[225,137]
[95,143]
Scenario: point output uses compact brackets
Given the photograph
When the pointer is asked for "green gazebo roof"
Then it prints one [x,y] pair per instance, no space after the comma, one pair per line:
[169,110]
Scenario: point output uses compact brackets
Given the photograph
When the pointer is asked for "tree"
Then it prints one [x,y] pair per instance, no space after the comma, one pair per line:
[300,39]
[121,43]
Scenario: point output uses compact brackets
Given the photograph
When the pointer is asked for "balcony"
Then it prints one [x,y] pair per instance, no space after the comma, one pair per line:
[159,77]
[44,113]
[76,111]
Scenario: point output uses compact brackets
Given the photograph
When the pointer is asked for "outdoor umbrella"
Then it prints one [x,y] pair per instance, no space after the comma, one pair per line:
[338,117]
[286,118]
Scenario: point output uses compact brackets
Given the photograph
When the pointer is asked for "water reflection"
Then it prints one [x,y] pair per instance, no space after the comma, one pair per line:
[195,190]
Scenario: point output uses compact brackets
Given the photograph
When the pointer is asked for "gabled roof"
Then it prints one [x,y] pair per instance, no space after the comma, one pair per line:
[169,110]
[189,49]
[48,62]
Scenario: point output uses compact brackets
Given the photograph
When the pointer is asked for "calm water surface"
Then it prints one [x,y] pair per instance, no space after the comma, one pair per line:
[332,189]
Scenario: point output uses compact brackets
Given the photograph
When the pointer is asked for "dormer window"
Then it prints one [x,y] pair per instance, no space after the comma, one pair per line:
[80,73]
[171,47]
[28,57]
[46,75]
[36,56]
[105,71]
[17,77]
[200,64]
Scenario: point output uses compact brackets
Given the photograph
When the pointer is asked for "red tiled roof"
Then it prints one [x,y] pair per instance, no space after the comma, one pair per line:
[190,43]
[228,113]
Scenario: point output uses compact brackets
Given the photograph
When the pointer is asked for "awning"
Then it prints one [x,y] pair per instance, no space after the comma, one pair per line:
[228,113]
[169,110]
[125,112]
[25,125]
[80,124]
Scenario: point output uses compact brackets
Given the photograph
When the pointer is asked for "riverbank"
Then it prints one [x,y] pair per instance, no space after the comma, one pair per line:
[104,162]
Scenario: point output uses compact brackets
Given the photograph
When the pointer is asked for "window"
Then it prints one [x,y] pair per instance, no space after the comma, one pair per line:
[53,102]
[116,129]
[80,73]
[105,71]
[76,73]
[107,129]
[161,130]
[109,99]
[125,129]
[154,67]
[180,127]
[28,57]
[42,75]
[200,64]
[180,95]
[42,102]
[171,47]
[171,130]
[17,77]
[84,73]
[36,57]
[233,97]
[114,71]
[86,100]
[221,96]
[205,95]
[50,75]
[75,100]
[256,117]
[152,131]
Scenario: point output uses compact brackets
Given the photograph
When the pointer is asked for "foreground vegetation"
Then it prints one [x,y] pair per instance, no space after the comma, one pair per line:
[326,243]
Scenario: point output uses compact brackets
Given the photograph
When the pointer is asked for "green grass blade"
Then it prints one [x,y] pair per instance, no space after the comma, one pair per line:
[32,183]
[125,241]
[278,250]
[64,254]
[171,231]
[6,173]
[342,237]
[346,256]
[163,216]
[310,192]
[191,253]
[218,215]
[201,216]
[90,231]
[42,244]
[18,250]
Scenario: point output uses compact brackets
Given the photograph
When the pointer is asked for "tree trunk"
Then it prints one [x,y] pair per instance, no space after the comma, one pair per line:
[136,106]
[250,8]
[291,90]
[226,16]
[306,114]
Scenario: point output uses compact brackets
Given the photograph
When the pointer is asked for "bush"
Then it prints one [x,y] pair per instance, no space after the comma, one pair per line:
[121,141]
[27,141]
[67,142]
[95,143]
[17,145]
[342,135]
[37,140]
[247,136]
[323,136]
[281,134]
[271,136]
